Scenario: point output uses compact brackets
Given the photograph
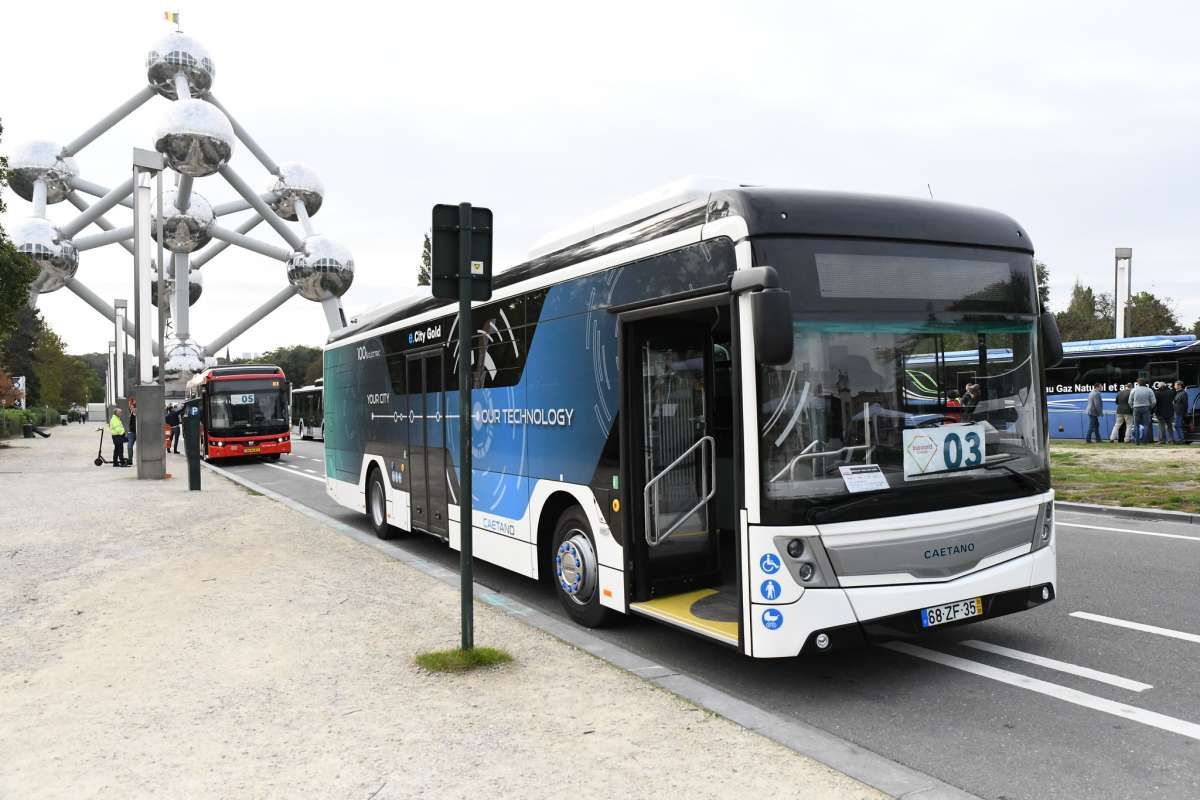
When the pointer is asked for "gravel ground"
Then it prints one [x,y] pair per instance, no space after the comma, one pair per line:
[158,642]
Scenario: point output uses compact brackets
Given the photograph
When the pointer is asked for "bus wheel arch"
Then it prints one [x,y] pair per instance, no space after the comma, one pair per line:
[555,506]
[376,504]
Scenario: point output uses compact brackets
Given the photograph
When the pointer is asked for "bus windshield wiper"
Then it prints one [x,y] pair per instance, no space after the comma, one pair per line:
[1020,477]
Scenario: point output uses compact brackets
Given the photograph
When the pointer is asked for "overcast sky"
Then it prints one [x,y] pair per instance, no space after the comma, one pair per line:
[1079,120]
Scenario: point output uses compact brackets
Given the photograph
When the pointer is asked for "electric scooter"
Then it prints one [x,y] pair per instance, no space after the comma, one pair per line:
[100,460]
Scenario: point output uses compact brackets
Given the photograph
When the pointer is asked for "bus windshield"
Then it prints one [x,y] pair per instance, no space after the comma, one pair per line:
[247,407]
[914,382]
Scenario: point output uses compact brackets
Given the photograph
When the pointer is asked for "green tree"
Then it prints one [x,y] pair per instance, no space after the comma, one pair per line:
[49,365]
[1087,316]
[18,356]
[1043,282]
[301,364]
[1196,327]
[16,270]
[81,385]
[424,269]
[1150,316]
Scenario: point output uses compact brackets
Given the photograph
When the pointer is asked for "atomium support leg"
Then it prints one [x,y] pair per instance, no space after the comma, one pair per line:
[215,249]
[122,111]
[280,297]
[262,208]
[333,313]
[96,211]
[182,298]
[39,198]
[92,299]
[183,193]
[254,245]
[115,235]
[234,206]
[245,138]
[101,223]
[96,190]
[302,216]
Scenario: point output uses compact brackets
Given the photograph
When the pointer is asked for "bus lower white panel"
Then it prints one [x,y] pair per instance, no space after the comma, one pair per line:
[1045,567]
[882,601]
[779,631]
[399,509]
[612,588]
[495,548]
[345,494]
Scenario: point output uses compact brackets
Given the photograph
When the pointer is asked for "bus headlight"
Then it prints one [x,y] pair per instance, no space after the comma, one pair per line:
[795,548]
[806,561]
[1043,532]
[806,571]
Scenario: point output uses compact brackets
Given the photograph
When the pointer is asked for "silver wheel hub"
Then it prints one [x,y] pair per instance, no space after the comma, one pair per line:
[576,567]
[377,511]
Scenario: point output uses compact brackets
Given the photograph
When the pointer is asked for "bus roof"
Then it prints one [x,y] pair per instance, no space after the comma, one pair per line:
[766,212]
[1166,343]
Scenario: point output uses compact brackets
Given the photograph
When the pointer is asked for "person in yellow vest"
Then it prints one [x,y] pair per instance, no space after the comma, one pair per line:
[116,429]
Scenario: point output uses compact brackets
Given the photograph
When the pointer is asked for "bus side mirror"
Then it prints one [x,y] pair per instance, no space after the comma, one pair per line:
[772,326]
[772,311]
[1052,346]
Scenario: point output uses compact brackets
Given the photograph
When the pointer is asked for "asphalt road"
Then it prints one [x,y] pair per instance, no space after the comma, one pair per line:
[1075,703]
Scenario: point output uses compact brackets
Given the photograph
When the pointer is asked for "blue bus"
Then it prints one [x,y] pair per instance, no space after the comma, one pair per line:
[1113,363]
[697,409]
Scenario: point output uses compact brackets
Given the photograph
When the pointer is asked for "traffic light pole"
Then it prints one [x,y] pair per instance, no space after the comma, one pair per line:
[465,513]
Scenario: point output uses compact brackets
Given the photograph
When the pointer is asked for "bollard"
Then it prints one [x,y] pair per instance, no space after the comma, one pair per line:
[191,441]
[27,430]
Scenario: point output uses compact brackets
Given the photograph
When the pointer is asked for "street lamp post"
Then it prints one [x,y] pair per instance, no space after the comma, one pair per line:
[1122,288]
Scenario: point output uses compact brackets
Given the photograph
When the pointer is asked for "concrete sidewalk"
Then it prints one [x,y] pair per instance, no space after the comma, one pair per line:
[216,644]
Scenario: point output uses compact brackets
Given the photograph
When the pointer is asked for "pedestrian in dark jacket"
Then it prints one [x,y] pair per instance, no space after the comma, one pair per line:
[1095,409]
[1123,426]
[1164,409]
[1180,402]
[173,420]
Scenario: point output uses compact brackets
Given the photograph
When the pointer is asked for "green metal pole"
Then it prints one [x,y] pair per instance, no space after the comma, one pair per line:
[465,515]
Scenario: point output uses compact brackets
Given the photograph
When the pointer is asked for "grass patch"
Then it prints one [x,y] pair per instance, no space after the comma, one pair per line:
[461,660]
[1150,476]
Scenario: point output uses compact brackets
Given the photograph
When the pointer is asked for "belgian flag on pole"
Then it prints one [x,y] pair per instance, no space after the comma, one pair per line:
[171,16]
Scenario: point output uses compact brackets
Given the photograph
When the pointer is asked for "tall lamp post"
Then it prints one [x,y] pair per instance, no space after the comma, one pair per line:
[147,177]
[1122,288]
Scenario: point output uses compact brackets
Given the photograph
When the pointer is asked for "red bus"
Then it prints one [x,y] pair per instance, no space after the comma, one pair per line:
[244,411]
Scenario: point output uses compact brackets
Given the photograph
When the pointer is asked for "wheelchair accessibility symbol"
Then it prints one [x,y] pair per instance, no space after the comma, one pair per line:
[772,618]
[769,563]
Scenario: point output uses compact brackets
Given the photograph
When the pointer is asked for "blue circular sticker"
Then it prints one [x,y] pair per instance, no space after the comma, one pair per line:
[769,563]
[770,589]
[772,618]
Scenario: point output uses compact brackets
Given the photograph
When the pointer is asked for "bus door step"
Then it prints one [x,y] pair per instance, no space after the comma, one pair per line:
[711,612]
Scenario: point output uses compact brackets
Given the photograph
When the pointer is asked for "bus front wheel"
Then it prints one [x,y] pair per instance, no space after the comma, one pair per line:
[576,570]
[377,506]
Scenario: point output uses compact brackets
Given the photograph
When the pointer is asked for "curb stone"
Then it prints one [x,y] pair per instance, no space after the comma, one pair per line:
[878,772]
[1130,512]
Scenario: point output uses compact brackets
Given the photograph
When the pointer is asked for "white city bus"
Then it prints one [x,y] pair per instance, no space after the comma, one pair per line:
[308,411]
[694,409]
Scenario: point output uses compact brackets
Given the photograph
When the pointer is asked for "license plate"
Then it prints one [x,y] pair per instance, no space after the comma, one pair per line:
[951,612]
[252,450]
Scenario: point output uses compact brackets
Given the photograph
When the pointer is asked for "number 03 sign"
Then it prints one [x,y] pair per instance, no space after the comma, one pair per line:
[944,449]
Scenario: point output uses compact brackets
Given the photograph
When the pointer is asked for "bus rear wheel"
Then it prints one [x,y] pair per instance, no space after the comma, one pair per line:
[377,506]
[576,570]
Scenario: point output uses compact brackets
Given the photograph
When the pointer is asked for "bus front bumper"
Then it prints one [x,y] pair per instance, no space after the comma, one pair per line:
[852,617]
[261,446]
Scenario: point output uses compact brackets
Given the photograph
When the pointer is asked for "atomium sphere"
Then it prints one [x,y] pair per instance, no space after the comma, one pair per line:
[40,159]
[295,182]
[55,255]
[194,137]
[195,288]
[184,359]
[184,231]
[175,53]
[322,270]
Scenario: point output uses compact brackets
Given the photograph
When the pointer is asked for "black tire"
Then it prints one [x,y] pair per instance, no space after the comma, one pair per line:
[377,506]
[99,462]
[271,457]
[574,569]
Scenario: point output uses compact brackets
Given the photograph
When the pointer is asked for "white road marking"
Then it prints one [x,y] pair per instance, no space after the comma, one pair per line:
[1066,694]
[311,471]
[1138,626]
[294,471]
[1060,523]
[1061,666]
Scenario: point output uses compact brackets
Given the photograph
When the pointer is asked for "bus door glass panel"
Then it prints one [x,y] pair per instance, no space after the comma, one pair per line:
[675,420]
[426,453]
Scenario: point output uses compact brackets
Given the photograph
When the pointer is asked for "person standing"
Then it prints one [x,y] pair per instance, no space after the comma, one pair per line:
[1142,401]
[1122,427]
[1165,411]
[1180,402]
[969,401]
[1095,409]
[116,429]
[173,420]
[131,437]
